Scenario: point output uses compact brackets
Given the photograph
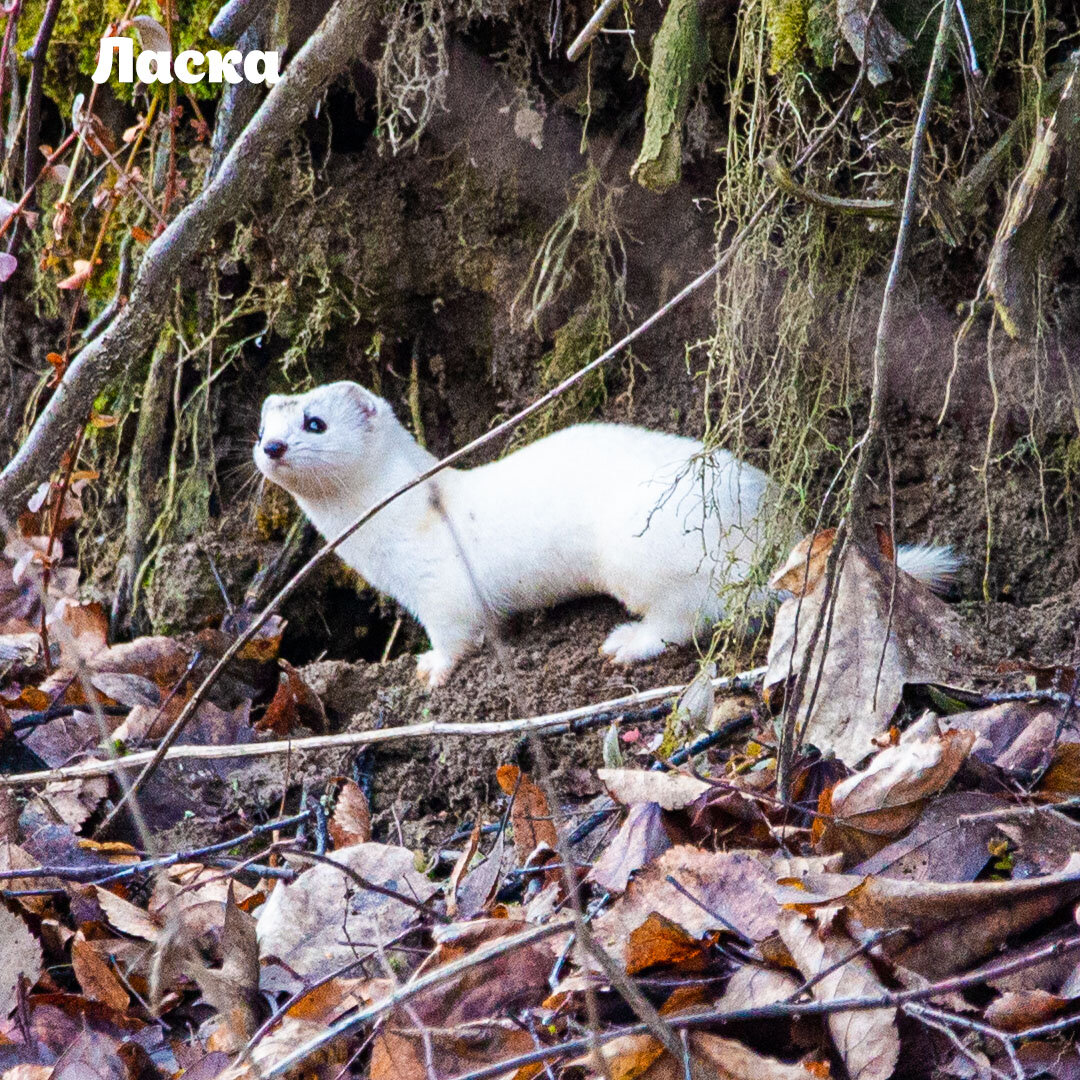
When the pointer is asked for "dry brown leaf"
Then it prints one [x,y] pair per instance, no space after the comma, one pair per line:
[480,884]
[326,1002]
[751,987]
[506,983]
[192,885]
[867,1040]
[670,790]
[805,564]
[955,924]
[642,1056]
[351,821]
[1018,736]
[401,1054]
[865,668]
[92,1055]
[14,857]
[295,704]
[888,795]
[530,814]
[731,884]
[233,988]
[948,843]
[27,1072]
[1016,1010]
[96,977]
[460,866]
[310,922]
[22,957]
[126,688]
[641,839]
[624,1058]
[458,1014]
[126,917]
[733,1061]
[658,940]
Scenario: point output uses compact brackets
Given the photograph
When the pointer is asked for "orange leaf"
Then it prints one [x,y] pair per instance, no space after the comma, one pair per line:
[96,977]
[351,823]
[530,815]
[806,563]
[140,235]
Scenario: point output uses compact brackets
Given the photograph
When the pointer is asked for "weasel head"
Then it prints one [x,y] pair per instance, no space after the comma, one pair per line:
[319,445]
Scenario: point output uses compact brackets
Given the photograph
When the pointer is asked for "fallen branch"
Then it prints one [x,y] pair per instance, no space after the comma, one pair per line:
[337,41]
[550,724]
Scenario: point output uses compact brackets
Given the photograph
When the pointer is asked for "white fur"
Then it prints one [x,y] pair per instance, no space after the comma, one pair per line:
[933,566]
[640,515]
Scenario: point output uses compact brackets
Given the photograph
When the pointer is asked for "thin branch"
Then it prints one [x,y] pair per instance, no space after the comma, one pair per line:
[572,720]
[97,875]
[31,151]
[860,524]
[591,28]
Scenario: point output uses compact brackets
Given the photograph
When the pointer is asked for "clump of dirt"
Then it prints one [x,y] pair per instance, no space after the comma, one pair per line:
[425,788]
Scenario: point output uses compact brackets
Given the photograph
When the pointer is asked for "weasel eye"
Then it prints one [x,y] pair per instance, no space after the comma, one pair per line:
[314,425]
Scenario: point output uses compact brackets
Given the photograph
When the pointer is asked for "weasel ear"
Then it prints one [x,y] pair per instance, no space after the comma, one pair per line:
[363,401]
[271,401]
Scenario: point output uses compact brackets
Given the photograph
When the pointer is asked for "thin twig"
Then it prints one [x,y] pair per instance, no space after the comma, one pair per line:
[96,875]
[859,524]
[591,28]
[551,724]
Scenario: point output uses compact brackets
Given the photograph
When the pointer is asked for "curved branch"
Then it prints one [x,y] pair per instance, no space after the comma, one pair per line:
[337,41]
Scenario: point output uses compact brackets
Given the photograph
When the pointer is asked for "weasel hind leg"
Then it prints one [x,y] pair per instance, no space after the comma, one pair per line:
[643,640]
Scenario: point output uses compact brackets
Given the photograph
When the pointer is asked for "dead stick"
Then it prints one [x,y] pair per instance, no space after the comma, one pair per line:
[424,730]
[860,525]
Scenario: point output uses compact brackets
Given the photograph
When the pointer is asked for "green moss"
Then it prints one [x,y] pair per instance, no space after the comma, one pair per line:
[787,23]
[580,339]
[73,50]
[822,32]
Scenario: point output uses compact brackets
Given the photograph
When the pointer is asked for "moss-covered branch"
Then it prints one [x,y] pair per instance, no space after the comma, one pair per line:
[678,64]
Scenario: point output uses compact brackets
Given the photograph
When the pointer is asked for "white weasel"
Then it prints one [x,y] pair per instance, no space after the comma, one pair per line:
[640,515]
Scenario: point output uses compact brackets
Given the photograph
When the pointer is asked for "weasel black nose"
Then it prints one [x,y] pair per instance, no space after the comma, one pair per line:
[275,449]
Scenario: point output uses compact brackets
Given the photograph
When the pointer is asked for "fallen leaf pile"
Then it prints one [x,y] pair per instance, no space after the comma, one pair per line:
[908,911]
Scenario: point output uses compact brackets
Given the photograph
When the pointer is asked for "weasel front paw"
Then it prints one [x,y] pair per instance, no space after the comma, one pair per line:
[631,642]
[433,668]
